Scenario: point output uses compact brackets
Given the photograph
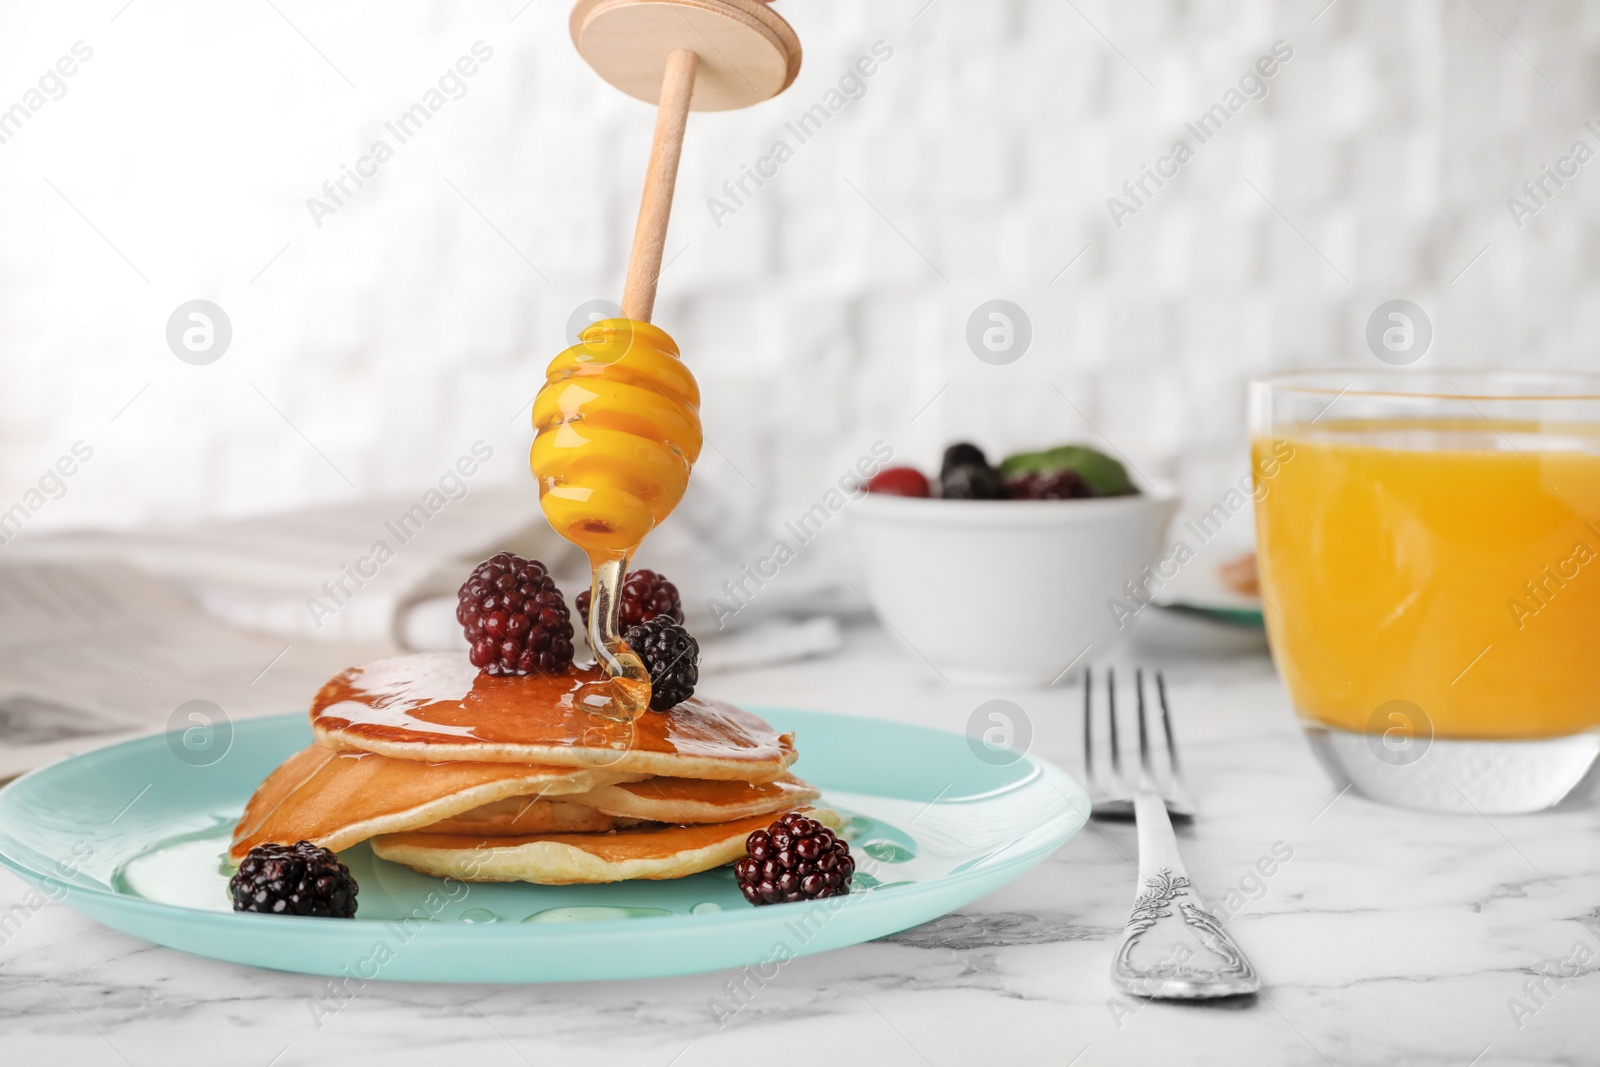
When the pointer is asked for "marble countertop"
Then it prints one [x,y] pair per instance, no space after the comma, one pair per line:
[1386,937]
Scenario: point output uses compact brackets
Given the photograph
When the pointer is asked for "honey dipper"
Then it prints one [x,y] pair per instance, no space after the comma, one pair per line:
[617,421]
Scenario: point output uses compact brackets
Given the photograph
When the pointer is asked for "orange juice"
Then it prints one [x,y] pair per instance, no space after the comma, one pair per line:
[1465,580]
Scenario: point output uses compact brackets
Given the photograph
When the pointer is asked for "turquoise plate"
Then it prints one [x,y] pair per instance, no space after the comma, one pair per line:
[133,834]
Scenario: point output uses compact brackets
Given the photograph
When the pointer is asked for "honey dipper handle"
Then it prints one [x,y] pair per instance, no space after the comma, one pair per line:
[650,236]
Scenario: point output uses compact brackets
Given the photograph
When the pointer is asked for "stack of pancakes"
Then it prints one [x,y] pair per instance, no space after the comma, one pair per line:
[456,773]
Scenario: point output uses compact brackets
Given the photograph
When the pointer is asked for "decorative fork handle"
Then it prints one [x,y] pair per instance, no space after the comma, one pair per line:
[1174,948]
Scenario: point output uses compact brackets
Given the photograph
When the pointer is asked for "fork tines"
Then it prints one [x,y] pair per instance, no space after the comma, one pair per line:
[1159,771]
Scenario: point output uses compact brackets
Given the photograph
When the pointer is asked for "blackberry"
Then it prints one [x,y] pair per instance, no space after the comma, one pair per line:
[965,474]
[671,656]
[969,481]
[1066,484]
[645,595]
[297,879]
[962,454]
[795,858]
[515,618]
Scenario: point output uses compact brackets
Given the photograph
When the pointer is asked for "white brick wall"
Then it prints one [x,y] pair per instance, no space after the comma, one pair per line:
[409,324]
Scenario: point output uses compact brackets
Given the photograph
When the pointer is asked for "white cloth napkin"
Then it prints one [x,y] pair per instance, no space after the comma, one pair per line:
[313,573]
[317,574]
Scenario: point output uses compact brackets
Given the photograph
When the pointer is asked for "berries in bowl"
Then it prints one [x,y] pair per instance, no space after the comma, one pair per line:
[1003,573]
[900,481]
[1066,472]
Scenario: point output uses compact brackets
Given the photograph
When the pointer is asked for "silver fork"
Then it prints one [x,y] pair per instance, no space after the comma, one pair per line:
[1174,948]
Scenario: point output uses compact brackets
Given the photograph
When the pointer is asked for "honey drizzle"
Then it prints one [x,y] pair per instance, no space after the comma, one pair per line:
[440,700]
[625,694]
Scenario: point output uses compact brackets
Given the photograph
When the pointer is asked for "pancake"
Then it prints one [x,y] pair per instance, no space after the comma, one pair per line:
[659,852]
[610,807]
[336,799]
[438,707]
[696,800]
[516,816]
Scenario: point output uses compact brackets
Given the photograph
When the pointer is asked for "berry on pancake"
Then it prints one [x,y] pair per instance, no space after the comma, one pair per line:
[671,656]
[645,595]
[515,618]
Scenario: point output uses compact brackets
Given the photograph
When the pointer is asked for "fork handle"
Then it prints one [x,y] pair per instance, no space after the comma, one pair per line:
[1174,948]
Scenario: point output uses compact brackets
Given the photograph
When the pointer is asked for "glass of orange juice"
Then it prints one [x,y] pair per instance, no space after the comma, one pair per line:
[1429,550]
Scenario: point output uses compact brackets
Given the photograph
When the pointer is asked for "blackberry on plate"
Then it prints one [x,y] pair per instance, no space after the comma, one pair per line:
[645,595]
[515,618]
[671,655]
[297,879]
[795,858]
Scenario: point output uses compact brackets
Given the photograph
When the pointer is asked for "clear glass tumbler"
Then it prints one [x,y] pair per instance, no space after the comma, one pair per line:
[1429,549]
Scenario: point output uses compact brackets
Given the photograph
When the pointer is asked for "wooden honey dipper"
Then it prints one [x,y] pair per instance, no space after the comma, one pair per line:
[617,422]
[683,56]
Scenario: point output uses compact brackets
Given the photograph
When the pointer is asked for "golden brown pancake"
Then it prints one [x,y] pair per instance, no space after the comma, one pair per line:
[566,859]
[517,816]
[698,800]
[438,707]
[337,799]
[610,807]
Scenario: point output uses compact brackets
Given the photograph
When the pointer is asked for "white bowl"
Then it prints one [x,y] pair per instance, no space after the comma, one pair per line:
[1006,592]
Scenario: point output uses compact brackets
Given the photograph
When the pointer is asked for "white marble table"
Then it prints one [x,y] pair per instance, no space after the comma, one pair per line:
[1387,938]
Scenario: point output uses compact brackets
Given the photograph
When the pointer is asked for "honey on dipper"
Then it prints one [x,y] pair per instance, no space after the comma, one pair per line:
[618,425]
[617,431]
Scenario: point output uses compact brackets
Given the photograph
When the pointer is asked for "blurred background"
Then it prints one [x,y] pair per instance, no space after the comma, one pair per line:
[387,311]
[372,344]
